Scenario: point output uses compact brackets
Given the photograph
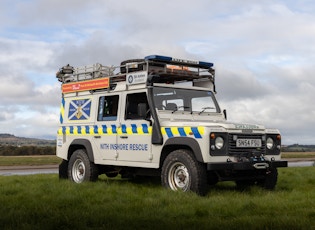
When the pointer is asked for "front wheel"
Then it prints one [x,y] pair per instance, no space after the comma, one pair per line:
[270,180]
[182,172]
[81,168]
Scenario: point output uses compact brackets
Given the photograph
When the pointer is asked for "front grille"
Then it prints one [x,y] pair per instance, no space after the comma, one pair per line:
[236,151]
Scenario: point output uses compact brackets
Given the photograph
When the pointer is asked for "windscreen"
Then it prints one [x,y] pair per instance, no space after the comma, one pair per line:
[191,100]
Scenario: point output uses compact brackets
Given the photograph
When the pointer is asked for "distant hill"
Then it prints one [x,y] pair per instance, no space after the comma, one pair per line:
[298,148]
[9,139]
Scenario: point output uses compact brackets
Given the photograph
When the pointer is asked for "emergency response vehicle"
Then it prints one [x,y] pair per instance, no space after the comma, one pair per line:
[158,116]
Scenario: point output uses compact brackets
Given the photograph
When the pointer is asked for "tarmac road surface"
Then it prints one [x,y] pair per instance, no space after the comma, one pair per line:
[28,170]
[53,169]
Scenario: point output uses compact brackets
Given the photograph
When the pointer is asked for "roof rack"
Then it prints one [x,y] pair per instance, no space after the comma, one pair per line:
[156,68]
[70,74]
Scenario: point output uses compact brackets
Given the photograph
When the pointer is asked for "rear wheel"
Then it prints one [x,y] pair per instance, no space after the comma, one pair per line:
[182,172]
[63,170]
[81,168]
[111,174]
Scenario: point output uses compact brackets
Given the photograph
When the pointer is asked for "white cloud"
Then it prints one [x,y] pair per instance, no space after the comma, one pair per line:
[264,54]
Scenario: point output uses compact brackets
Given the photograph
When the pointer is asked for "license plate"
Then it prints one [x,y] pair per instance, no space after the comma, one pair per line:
[248,143]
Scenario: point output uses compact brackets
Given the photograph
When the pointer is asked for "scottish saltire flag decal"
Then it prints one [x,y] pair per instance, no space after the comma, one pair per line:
[79,109]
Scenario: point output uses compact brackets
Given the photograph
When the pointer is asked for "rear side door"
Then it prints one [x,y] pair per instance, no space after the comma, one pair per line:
[134,136]
[107,125]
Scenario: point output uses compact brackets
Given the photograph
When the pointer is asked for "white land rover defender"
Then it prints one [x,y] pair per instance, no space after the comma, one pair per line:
[158,116]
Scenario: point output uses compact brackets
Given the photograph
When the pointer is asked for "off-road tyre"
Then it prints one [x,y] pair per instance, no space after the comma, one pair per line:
[182,172]
[212,178]
[63,170]
[80,167]
[270,180]
[111,174]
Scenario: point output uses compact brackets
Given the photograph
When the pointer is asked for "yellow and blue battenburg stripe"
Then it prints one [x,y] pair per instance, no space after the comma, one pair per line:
[131,129]
[62,110]
[197,132]
[105,129]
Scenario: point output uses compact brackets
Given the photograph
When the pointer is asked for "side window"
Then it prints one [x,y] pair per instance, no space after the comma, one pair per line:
[134,103]
[108,107]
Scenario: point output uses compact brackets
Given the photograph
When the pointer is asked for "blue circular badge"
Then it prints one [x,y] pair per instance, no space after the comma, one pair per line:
[130,79]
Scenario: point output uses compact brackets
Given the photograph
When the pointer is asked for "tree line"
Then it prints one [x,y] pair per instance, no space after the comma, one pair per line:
[10,150]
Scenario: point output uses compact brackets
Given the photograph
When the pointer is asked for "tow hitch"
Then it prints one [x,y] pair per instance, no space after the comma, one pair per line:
[261,165]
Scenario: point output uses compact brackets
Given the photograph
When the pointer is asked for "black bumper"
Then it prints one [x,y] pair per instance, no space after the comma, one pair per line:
[246,165]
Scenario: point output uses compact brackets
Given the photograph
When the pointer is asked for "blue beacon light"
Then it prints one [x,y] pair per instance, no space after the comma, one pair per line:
[171,60]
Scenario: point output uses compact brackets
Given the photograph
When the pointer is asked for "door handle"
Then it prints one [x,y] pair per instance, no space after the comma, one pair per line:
[97,136]
[124,137]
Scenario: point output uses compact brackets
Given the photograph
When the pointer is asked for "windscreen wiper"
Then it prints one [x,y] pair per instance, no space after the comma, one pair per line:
[204,109]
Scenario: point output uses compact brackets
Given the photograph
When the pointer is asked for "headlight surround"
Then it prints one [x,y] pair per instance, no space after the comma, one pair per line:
[269,143]
[219,142]
[273,144]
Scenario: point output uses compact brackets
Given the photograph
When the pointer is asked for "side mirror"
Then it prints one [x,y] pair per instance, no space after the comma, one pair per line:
[225,115]
[142,110]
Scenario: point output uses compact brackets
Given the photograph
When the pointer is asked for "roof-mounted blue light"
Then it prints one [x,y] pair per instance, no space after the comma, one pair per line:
[185,62]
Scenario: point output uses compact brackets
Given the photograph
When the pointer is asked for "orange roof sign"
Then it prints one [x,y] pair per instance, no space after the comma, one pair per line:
[85,85]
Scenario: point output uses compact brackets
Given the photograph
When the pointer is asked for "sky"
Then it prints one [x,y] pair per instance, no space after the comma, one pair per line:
[263,52]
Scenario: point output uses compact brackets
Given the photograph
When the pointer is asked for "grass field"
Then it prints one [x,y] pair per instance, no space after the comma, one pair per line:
[29,160]
[44,160]
[298,155]
[45,202]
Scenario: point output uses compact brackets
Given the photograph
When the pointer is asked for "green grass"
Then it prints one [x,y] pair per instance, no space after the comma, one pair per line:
[298,155]
[45,202]
[29,160]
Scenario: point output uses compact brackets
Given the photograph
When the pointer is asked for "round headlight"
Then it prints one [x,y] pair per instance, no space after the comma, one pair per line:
[269,143]
[219,142]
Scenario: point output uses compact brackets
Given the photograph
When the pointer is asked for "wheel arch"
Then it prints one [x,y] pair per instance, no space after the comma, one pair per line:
[181,143]
[79,144]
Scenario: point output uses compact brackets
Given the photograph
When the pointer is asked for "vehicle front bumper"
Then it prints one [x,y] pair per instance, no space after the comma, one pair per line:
[246,165]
